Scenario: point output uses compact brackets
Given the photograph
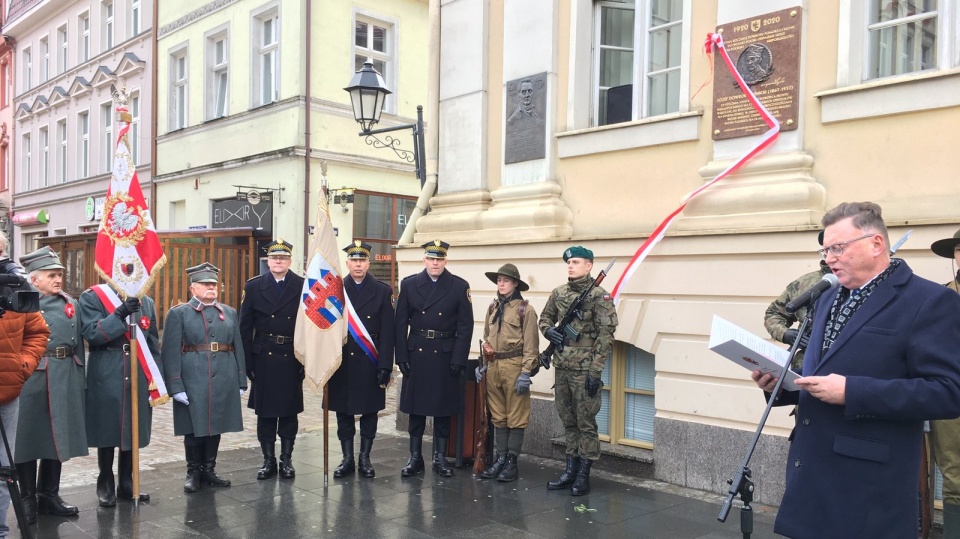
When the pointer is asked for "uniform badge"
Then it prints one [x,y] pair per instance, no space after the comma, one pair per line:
[243,295]
[69,310]
[144,323]
[607,297]
[468,296]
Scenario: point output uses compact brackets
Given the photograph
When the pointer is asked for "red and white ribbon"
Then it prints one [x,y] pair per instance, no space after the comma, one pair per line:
[713,40]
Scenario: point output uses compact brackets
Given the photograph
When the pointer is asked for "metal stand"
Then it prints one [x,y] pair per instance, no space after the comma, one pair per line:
[8,474]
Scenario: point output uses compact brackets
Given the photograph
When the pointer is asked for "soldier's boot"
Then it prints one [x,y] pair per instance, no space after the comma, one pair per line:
[440,464]
[582,485]
[347,465]
[510,471]
[194,455]
[269,468]
[286,454]
[568,476]
[208,473]
[27,473]
[415,464]
[363,462]
[495,468]
[106,485]
[125,482]
[951,521]
[48,490]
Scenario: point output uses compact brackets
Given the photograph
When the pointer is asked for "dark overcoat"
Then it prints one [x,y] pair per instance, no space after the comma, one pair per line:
[211,380]
[51,419]
[853,470]
[268,316]
[108,374]
[444,306]
[353,388]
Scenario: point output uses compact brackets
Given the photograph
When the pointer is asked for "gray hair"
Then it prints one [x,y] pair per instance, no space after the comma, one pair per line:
[4,242]
[864,216]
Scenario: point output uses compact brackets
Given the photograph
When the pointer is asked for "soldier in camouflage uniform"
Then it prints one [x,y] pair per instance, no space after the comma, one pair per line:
[778,321]
[579,366]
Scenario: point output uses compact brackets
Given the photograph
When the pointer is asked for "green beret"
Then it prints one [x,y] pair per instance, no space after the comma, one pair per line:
[577,251]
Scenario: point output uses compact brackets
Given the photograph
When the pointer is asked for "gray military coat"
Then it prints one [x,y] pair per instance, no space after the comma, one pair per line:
[211,380]
[51,421]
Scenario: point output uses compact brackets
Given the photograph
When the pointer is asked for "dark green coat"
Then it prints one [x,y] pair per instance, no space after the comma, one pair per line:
[211,380]
[51,420]
[108,374]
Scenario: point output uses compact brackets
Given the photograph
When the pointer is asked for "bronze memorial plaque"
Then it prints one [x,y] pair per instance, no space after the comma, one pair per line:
[766,52]
[526,129]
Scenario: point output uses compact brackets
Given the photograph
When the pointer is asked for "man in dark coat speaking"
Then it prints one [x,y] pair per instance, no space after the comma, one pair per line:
[434,329]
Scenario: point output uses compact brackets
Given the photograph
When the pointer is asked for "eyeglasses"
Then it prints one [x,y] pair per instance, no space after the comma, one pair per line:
[837,248]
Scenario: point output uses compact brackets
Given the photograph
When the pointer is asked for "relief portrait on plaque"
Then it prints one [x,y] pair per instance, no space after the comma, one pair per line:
[755,63]
[526,131]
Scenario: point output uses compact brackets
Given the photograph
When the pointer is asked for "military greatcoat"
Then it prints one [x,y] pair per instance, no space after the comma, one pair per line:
[211,379]
[108,373]
[51,421]
[268,315]
[353,388]
[434,330]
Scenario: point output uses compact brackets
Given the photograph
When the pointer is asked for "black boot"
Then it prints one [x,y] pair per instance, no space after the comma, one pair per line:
[494,469]
[415,464]
[106,485]
[208,474]
[582,485]
[568,476]
[363,463]
[346,466]
[125,484]
[194,455]
[27,473]
[286,454]
[510,471]
[48,492]
[269,461]
[440,464]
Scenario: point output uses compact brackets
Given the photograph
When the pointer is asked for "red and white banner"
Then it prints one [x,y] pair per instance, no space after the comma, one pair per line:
[712,41]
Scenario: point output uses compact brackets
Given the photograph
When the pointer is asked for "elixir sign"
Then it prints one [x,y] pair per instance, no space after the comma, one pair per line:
[254,212]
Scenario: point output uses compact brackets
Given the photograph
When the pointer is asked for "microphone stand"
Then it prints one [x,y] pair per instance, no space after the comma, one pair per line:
[741,484]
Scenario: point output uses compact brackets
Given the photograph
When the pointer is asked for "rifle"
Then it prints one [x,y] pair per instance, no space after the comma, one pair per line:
[572,312]
[483,430]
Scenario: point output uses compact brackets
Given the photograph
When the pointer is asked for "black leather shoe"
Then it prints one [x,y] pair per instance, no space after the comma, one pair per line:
[208,474]
[494,469]
[269,468]
[440,464]
[194,455]
[106,483]
[364,467]
[347,465]
[415,464]
[568,476]
[509,472]
[582,485]
[286,456]
[125,484]
[48,490]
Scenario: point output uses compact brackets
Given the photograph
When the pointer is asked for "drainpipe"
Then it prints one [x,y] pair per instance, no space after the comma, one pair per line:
[432,134]
[153,116]
[306,132]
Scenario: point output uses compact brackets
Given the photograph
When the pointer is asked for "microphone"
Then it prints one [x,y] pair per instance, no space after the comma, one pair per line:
[811,294]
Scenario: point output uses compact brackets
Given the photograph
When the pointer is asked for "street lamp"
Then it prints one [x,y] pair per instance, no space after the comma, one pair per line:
[367,94]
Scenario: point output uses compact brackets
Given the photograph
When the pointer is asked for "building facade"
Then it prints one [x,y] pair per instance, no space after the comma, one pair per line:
[566,122]
[7,59]
[69,54]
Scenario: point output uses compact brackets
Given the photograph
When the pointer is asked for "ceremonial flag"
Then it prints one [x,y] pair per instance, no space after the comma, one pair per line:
[321,329]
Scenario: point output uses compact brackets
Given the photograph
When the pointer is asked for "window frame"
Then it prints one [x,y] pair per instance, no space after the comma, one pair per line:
[616,370]
[179,99]
[45,58]
[83,144]
[27,59]
[62,150]
[108,11]
[27,163]
[134,133]
[106,113]
[83,28]
[215,72]
[260,52]
[389,57]
[136,18]
[63,38]
[44,147]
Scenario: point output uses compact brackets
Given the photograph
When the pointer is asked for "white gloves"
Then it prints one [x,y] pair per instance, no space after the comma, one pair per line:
[181,397]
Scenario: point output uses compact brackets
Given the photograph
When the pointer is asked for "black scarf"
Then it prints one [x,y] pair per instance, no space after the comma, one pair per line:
[846,304]
[500,303]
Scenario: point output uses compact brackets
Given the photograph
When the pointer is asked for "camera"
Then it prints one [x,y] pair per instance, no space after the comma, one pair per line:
[16,293]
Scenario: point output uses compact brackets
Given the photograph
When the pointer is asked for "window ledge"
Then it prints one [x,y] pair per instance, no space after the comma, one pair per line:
[637,454]
[888,96]
[665,129]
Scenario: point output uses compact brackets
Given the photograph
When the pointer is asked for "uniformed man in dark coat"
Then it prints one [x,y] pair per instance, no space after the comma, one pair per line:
[51,423]
[434,330]
[268,315]
[204,369]
[359,385]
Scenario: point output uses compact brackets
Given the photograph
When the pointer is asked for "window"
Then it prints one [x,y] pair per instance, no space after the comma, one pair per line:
[5,171]
[84,26]
[135,18]
[902,37]
[652,79]
[379,218]
[27,69]
[106,113]
[44,157]
[44,59]
[372,42]
[266,71]
[83,148]
[62,151]
[107,25]
[134,134]
[217,76]
[178,90]
[4,84]
[62,40]
[627,400]
[27,162]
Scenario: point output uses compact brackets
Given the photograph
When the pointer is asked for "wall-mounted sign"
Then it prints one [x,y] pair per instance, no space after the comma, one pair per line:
[233,212]
[39,217]
[93,208]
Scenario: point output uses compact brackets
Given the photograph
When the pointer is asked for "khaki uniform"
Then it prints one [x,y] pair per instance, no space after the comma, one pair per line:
[517,342]
[776,319]
[945,442]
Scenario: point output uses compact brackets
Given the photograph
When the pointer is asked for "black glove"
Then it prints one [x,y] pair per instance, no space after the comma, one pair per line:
[456,370]
[128,307]
[592,385]
[383,377]
[303,373]
[790,336]
[404,368]
[250,375]
[553,335]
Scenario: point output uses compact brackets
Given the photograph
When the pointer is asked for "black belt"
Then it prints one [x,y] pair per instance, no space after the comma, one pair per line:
[112,347]
[274,339]
[212,347]
[59,352]
[433,334]
[507,355]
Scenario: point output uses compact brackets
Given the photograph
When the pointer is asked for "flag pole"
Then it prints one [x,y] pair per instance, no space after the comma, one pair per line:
[326,431]
[134,409]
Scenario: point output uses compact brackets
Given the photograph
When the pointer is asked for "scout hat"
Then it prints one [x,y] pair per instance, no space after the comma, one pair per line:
[43,258]
[279,248]
[943,248]
[204,273]
[577,252]
[820,238]
[508,270]
[358,249]
[436,249]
